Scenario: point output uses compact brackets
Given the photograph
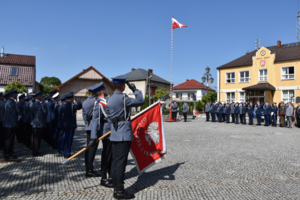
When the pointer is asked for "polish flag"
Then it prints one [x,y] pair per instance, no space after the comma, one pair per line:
[176,24]
[149,145]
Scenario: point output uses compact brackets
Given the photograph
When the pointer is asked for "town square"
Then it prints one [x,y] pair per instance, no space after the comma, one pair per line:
[150,100]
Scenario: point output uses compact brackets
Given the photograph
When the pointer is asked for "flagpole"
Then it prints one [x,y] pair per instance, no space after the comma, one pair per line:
[171,94]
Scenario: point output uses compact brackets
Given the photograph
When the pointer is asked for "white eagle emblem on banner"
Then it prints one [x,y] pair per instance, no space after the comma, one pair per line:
[152,133]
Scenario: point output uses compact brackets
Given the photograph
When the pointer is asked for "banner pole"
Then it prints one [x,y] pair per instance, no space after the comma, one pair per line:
[171,89]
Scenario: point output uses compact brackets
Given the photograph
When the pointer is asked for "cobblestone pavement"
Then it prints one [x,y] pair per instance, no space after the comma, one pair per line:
[204,161]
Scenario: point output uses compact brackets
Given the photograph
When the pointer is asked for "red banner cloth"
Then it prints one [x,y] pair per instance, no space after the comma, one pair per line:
[149,145]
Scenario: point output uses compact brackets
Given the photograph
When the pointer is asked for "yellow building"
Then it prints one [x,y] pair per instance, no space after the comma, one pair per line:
[268,74]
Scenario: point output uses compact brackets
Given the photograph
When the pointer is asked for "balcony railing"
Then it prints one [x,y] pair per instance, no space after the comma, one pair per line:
[184,99]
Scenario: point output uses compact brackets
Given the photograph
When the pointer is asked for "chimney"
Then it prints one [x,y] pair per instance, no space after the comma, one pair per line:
[132,69]
[278,43]
[2,51]
[150,71]
[187,79]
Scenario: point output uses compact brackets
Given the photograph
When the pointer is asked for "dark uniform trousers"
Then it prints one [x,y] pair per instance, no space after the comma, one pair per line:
[213,116]
[237,118]
[120,152]
[68,140]
[55,136]
[37,137]
[241,118]
[267,120]
[106,158]
[51,134]
[244,118]
[185,116]
[174,115]
[91,152]
[220,117]
[250,119]
[1,136]
[258,116]
[9,138]
[27,134]
[227,118]
[223,116]
[233,118]
[20,132]
[60,140]
[207,116]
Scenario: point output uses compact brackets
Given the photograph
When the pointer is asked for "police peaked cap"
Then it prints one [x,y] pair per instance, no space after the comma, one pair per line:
[10,92]
[45,96]
[63,97]
[38,94]
[21,96]
[70,95]
[96,88]
[26,98]
[119,79]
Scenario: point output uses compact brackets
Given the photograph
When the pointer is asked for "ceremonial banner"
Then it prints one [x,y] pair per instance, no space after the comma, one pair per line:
[149,145]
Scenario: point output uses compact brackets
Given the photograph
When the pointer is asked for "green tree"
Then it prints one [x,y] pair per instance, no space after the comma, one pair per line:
[179,105]
[199,105]
[212,97]
[45,89]
[52,81]
[146,104]
[15,85]
[159,93]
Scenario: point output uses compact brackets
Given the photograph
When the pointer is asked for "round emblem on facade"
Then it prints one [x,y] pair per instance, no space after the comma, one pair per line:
[262,53]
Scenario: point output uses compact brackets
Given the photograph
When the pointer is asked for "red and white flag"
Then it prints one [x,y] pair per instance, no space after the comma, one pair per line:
[149,145]
[176,24]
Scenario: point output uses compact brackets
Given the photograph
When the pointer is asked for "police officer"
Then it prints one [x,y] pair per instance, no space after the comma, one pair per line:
[70,123]
[221,111]
[241,112]
[88,108]
[258,110]
[20,107]
[60,124]
[38,123]
[207,110]
[1,120]
[232,112]
[227,112]
[119,106]
[213,112]
[250,113]
[236,112]
[10,123]
[185,109]
[218,108]
[56,99]
[244,113]
[26,121]
[50,121]
[274,116]
[174,110]
[267,113]
[223,114]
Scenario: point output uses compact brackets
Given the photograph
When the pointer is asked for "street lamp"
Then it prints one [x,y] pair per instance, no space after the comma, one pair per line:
[207,77]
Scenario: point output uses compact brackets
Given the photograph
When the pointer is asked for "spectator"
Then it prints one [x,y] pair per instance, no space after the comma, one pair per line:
[297,115]
[281,112]
[289,115]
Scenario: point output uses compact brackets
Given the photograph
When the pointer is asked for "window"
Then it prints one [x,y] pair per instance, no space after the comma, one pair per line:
[242,96]
[230,97]
[130,91]
[14,71]
[288,95]
[263,75]
[230,77]
[287,73]
[244,76]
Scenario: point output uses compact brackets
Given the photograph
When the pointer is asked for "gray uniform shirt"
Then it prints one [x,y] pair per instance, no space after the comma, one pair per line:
[87,111]
[207,107]
[185,108]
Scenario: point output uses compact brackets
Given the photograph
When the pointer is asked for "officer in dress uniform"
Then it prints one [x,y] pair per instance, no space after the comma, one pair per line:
[119,106]
[87,114]
[185,109]
[70,123]
[10,123]
[174,110]
[38,123]
[60,124]
[20,107]
[236,113]
[213,112]
[258,110]
[100,125]
[217,112]
[267,113]
[223,114]
[221,111]
[244,113]
[274,116]
[207,110]
[250,113]
[56,99]
[232,112]
[227,112]
[1,121]
[50,120]
[241,112]
[26,121]
[45,129]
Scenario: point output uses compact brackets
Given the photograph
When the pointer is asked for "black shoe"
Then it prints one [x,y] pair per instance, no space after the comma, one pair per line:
[67,156]
[60,152]
[106,183]
[120,193]
[91,173]
[12,159]
[266,125]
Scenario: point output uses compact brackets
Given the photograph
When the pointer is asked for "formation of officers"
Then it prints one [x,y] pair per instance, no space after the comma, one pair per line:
[53,118]
[35,117]
[237,111]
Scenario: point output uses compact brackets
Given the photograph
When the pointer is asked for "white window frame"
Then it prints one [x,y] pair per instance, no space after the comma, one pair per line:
[16,71]
[281,75]
[230,99]
[293,100]
[244,77]
[230,78]
[259,75]
[242,100]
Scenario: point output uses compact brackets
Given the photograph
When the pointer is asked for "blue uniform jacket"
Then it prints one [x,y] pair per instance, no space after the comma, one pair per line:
[70,114]
[87,111]
[174,107]
[274,110]
[243,110]
[38,113]
[1,111]
[213,109]
[50,112]
[221,110]
[30,108]
[267,110]
[27,115]
[259,109]
[116,110]
[10,119]
[250,109]
[227,110]
[236,110]
[56,106]
[61,111]
[21,106]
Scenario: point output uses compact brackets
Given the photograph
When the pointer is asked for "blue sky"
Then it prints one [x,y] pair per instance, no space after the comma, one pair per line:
[117,35]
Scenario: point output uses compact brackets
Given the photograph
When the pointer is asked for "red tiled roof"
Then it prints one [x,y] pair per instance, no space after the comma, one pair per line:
[14,59]
[192,84]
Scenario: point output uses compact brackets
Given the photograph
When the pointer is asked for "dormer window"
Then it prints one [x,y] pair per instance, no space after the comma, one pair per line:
[14,71]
